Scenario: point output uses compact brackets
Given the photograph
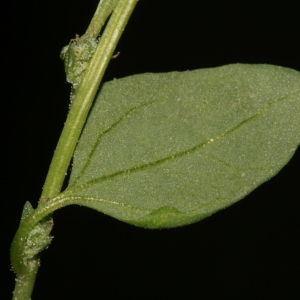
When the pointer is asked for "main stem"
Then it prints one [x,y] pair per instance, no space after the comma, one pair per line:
[79,109]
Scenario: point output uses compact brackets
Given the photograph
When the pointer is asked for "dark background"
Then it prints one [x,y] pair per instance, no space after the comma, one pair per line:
[248,251]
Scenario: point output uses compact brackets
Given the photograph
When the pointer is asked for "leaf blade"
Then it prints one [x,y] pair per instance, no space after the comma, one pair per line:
[165,150]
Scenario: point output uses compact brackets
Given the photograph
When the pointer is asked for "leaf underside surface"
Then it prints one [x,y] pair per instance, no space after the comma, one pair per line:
[167,150]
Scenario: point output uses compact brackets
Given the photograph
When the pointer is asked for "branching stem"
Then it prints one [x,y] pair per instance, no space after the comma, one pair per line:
[84,96]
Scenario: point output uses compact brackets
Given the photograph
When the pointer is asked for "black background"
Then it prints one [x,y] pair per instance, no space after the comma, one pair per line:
[248,251]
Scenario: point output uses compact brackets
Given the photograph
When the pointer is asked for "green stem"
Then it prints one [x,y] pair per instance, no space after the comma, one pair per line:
[102,12]
[85,93]
[25,283]
[84,96]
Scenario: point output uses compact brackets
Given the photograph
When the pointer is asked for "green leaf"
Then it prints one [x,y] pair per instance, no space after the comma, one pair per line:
[27,210]
[76,57]
[37,240]
[166,150]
